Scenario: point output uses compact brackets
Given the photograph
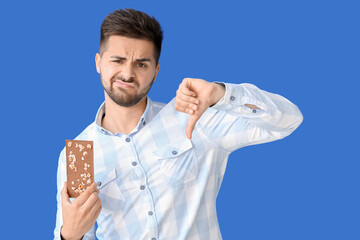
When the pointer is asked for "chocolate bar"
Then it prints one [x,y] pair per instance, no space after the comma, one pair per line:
[79,166]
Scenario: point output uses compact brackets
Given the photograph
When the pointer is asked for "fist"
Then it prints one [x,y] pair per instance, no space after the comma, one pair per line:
[80,215]
[194,96]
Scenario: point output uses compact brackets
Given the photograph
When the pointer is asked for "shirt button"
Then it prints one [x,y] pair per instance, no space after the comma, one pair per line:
[254,111]
[99,184]
[134,163]
[142,187]
[174,152]
[232,98]
[128,139]
[143,122]
[150,213]
[153,239]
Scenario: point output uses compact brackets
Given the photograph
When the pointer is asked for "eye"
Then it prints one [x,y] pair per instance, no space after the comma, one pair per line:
[118,61]
[141,65]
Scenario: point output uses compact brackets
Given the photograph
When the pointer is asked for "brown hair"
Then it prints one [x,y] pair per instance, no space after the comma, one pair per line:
[133,24]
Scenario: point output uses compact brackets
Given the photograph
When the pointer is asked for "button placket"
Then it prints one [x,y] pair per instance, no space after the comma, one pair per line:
[140,171]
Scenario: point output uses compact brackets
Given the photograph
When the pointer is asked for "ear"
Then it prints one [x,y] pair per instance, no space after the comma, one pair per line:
[97,62]
[157,70]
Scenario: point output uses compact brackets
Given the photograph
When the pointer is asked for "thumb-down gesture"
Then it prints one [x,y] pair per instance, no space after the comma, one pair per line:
[194,96]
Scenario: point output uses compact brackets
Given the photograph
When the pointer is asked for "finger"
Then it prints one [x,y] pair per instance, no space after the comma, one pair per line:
[97,212]
[64,195]
[187,98]
[187,105]
[85,195]
[191,125]
[185,90]
[183,109]
[91,201]
[95,207]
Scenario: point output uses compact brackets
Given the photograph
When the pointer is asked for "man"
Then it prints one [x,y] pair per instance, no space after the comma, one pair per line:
[159,167]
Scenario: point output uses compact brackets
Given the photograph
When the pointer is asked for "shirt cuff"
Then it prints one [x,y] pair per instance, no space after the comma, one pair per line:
[227,98]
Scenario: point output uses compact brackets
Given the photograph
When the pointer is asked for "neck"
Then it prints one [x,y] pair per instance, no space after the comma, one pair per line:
[122,119]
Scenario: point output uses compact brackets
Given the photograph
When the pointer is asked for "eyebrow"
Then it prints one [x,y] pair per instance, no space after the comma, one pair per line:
[137,60]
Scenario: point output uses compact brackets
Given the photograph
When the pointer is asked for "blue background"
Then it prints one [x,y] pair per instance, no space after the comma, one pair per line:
[305,186]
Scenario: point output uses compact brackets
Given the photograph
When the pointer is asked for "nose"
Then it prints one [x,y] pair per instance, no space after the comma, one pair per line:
[128,71]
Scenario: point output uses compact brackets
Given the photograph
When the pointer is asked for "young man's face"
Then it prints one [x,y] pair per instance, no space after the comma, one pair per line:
[127,69]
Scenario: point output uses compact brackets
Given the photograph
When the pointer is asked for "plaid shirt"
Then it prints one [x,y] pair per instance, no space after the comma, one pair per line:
[156,184]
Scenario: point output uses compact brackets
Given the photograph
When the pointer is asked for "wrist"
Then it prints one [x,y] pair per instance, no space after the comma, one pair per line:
[217,93]
[68,236]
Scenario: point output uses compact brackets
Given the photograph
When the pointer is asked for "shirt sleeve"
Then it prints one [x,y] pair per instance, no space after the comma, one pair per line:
[230,124]
[61,178]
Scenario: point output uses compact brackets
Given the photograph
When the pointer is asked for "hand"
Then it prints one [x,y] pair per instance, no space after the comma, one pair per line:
[194,96]
[80,215]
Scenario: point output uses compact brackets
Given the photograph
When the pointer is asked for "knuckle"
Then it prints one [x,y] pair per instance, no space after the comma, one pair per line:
[75,205]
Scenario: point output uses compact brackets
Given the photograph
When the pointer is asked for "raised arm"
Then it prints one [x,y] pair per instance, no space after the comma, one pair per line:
[236,115]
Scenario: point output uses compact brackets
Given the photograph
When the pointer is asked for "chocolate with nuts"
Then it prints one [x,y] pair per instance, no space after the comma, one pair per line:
[79,166]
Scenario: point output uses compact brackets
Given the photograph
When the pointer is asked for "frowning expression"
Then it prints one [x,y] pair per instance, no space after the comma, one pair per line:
[127,69]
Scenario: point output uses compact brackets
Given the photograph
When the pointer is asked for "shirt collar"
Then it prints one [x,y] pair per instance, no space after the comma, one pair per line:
[143,120]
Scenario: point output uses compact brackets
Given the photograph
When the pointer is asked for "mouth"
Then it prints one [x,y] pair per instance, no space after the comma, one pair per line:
[123,84]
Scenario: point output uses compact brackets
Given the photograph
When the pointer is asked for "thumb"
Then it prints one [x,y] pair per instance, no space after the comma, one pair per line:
[64,194]
[191,125]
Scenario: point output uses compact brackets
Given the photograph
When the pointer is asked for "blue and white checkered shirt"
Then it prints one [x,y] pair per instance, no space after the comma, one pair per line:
[156,184]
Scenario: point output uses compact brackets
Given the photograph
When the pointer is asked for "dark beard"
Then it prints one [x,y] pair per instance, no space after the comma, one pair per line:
[125,99]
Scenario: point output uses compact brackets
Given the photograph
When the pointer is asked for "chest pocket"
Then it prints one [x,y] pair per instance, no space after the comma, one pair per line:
[178,163]
[111,197]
